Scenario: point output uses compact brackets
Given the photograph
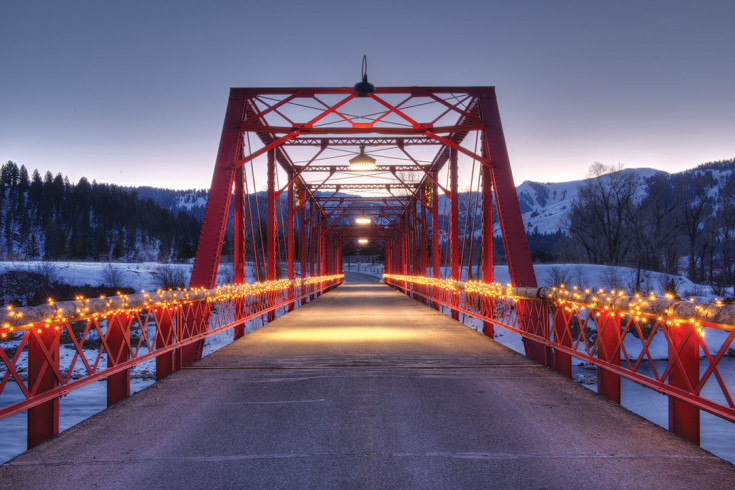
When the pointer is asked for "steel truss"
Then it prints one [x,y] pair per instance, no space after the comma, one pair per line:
[323,118]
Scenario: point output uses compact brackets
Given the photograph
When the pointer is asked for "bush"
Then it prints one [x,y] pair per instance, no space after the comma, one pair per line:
[170,277]
[19,287]
[112,276]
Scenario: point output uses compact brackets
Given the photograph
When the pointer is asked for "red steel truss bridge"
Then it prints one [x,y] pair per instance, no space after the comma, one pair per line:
[314,174]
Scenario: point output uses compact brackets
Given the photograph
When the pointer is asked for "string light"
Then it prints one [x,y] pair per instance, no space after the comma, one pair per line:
[160,299]
[638,307]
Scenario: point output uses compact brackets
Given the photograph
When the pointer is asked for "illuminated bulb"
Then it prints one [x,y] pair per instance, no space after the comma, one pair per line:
[362,241]
[362,162]
[363,220]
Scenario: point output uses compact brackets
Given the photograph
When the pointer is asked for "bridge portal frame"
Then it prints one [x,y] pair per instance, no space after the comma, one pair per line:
[473,108]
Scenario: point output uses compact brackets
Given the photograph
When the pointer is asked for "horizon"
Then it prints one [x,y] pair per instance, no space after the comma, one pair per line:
[518,183]
[134,94]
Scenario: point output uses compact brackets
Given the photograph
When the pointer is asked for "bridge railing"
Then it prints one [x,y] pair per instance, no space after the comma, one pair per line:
[48,351]
[615,332]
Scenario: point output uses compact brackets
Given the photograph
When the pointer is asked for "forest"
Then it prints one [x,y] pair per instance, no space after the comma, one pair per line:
[48,217]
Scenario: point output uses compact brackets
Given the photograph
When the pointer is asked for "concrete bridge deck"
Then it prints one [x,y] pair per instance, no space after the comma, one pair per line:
[366,388]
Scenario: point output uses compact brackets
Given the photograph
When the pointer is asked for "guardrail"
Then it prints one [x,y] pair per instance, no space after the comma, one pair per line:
[610,330]
[104,338]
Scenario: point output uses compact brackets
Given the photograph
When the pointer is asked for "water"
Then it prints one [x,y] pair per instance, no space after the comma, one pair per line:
[717,435]
[84,402]
[78,405]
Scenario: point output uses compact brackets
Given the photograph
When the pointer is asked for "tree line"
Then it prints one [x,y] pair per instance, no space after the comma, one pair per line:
[666,223]
[50,218]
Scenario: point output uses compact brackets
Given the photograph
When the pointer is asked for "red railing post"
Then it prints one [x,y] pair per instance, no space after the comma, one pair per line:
[118,343]
[608,350]
[43,419]
[562,330]
[194,316]
[165,363]
[684,374]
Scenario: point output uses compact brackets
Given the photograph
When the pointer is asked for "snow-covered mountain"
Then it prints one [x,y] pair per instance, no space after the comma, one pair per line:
[543,205]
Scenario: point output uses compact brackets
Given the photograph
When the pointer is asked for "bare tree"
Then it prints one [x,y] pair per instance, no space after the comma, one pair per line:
[112,276]
[599,219]
[170,277]
[695,208]
[558,275]
[724,228]
[654,232]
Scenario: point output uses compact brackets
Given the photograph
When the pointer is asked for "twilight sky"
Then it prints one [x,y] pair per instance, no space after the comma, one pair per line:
[134,92]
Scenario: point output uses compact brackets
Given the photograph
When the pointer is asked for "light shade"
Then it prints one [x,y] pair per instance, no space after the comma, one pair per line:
[362,241]
[362,161]
[363,220]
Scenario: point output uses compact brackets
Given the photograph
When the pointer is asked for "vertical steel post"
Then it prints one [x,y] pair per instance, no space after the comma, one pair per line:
[312,243]
[326,247]
[118,342]
[386,259]
[454,223]
[319,254]
[410,263]
[517,252]
[238,259]
[684,418]
[271,224]
[271,218]
[302,238]
[43,419]
[424,242]
[435,256]
[608,383]
[515,242]
[487,239]
[290,230]
[239,248]
[290,238]
[204,272]
[424,252]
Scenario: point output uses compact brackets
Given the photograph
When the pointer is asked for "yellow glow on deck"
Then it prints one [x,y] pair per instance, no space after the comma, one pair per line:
[346,334]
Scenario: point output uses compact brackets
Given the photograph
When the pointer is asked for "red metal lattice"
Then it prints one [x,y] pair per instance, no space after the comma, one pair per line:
[109,341]
[616,340]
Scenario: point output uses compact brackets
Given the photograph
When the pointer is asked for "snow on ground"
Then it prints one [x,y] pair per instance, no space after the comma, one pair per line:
[581,275]
[139,276]
[604,277]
